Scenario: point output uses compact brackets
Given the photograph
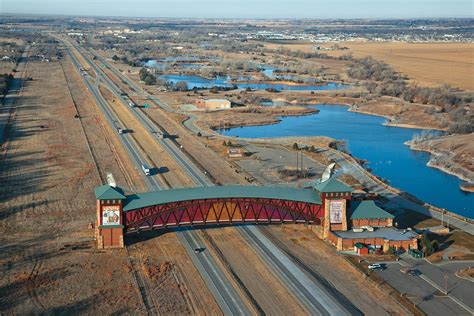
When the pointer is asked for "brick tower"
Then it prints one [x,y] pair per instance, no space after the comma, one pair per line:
[109,222]
[335,196]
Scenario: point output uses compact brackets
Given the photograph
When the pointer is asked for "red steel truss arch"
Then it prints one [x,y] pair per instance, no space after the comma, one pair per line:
[221,210]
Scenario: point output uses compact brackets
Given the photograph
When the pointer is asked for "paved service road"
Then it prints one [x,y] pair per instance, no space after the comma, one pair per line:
[442,274]
[428,297]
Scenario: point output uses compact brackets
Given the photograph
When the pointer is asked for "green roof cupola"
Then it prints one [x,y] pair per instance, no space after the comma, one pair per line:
[108,192]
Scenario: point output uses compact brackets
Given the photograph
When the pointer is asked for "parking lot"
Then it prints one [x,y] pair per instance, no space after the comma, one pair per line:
[426,289]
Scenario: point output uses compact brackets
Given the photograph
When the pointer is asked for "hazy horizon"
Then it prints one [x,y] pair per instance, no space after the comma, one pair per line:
[246,9]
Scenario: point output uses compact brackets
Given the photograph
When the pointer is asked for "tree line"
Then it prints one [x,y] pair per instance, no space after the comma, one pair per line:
[381,80]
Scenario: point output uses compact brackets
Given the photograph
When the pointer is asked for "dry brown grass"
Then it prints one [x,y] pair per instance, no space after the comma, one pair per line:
[461,145]
[435,258]
[430,64]
[461,256]
[462,239]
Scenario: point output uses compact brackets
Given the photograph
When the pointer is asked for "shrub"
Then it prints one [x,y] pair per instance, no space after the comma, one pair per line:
[426,246]
[435,245]
[182,86]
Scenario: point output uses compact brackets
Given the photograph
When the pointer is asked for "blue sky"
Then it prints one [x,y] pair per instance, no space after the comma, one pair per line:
[246,8]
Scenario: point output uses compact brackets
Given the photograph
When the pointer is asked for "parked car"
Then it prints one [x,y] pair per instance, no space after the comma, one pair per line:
[414,272]
[376,267]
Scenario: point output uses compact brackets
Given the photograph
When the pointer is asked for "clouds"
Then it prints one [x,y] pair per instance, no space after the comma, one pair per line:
[246,8]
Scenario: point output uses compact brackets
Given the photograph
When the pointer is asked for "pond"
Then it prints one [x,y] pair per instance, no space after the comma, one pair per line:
[383,146]
[200,82]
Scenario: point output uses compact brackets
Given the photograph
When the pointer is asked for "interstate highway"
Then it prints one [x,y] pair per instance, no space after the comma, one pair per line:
[315,304]
[225,294]
[309,293]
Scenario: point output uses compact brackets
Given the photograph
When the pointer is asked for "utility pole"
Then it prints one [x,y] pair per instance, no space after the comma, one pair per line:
[297,161]
[302,172]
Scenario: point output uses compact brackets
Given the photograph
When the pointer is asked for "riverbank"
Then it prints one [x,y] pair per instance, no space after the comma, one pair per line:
[444,161]
[451,154]
[383,147]
[438,159]
[398,113]
[282,82]
[250,116]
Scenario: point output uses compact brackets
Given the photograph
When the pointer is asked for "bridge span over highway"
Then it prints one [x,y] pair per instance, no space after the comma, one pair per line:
[119,214]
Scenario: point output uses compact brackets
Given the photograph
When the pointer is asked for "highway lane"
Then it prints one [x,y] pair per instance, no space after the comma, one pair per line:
[206,265]
[184,162]
[226,295]
[310,294]
[313,296]
[126,139]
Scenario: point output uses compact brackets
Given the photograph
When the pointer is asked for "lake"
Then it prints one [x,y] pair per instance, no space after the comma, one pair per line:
[383,146]
[200,82]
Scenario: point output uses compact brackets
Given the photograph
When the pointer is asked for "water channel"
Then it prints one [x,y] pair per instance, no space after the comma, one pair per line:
[383,146]
[201,82]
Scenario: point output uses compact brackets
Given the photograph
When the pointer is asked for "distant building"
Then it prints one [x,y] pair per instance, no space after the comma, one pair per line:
[75,34]
[213,104]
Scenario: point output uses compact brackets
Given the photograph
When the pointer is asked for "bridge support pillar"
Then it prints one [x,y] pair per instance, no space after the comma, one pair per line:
[109,222]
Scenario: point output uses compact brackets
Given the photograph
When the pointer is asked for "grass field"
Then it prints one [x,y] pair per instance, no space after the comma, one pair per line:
[430,64]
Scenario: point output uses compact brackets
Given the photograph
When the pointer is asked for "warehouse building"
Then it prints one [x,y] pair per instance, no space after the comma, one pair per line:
[213,104]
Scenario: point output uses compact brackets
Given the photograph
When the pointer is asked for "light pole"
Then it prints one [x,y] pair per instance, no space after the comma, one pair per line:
[446,284]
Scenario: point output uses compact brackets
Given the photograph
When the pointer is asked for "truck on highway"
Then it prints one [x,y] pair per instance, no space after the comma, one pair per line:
[146,170]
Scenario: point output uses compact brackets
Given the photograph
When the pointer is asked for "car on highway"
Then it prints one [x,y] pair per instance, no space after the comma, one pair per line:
[131,104]
[146,170]
[376,267]
[199,250]
[120,130]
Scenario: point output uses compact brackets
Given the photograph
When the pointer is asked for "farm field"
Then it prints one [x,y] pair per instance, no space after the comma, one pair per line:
[429,64]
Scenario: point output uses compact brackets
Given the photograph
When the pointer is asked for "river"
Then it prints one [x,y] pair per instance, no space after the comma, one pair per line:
[200,82]
[383,146]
